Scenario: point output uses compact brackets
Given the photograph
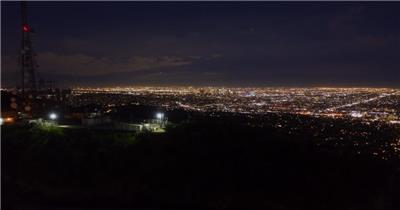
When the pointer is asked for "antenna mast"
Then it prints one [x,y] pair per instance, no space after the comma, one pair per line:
[27,55]
[27,62]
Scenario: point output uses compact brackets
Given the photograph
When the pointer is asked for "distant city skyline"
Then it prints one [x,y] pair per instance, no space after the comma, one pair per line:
[208,43]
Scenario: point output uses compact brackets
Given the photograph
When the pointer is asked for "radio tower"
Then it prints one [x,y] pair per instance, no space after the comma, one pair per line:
[27,62]
[27,56]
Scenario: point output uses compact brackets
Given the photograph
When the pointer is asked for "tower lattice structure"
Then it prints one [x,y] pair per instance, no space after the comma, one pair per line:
[27,61]
[27,55]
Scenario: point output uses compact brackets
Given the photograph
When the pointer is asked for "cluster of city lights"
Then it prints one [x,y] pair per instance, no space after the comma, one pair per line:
[369,104]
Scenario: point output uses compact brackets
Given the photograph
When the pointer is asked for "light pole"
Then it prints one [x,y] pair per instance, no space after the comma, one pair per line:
[160,118]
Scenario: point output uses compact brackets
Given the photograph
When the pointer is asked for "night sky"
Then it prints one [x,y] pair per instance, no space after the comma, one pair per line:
[208,43]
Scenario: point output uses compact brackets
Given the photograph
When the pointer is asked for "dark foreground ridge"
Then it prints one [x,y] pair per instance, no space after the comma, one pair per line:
[215,162]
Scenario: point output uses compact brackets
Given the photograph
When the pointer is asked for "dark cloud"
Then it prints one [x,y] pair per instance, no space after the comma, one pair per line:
[80,64]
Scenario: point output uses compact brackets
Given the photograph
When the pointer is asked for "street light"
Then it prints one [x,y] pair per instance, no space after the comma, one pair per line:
[160,115]
[53,116]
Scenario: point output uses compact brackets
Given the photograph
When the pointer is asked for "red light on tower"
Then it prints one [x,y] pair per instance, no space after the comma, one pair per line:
[25,28]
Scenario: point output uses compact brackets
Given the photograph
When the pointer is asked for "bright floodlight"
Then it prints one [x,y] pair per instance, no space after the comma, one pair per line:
[53,116]
[1,121]
[160,115]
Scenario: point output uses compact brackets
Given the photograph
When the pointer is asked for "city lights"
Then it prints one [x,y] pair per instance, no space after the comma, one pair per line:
[367,104]
[6,120]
